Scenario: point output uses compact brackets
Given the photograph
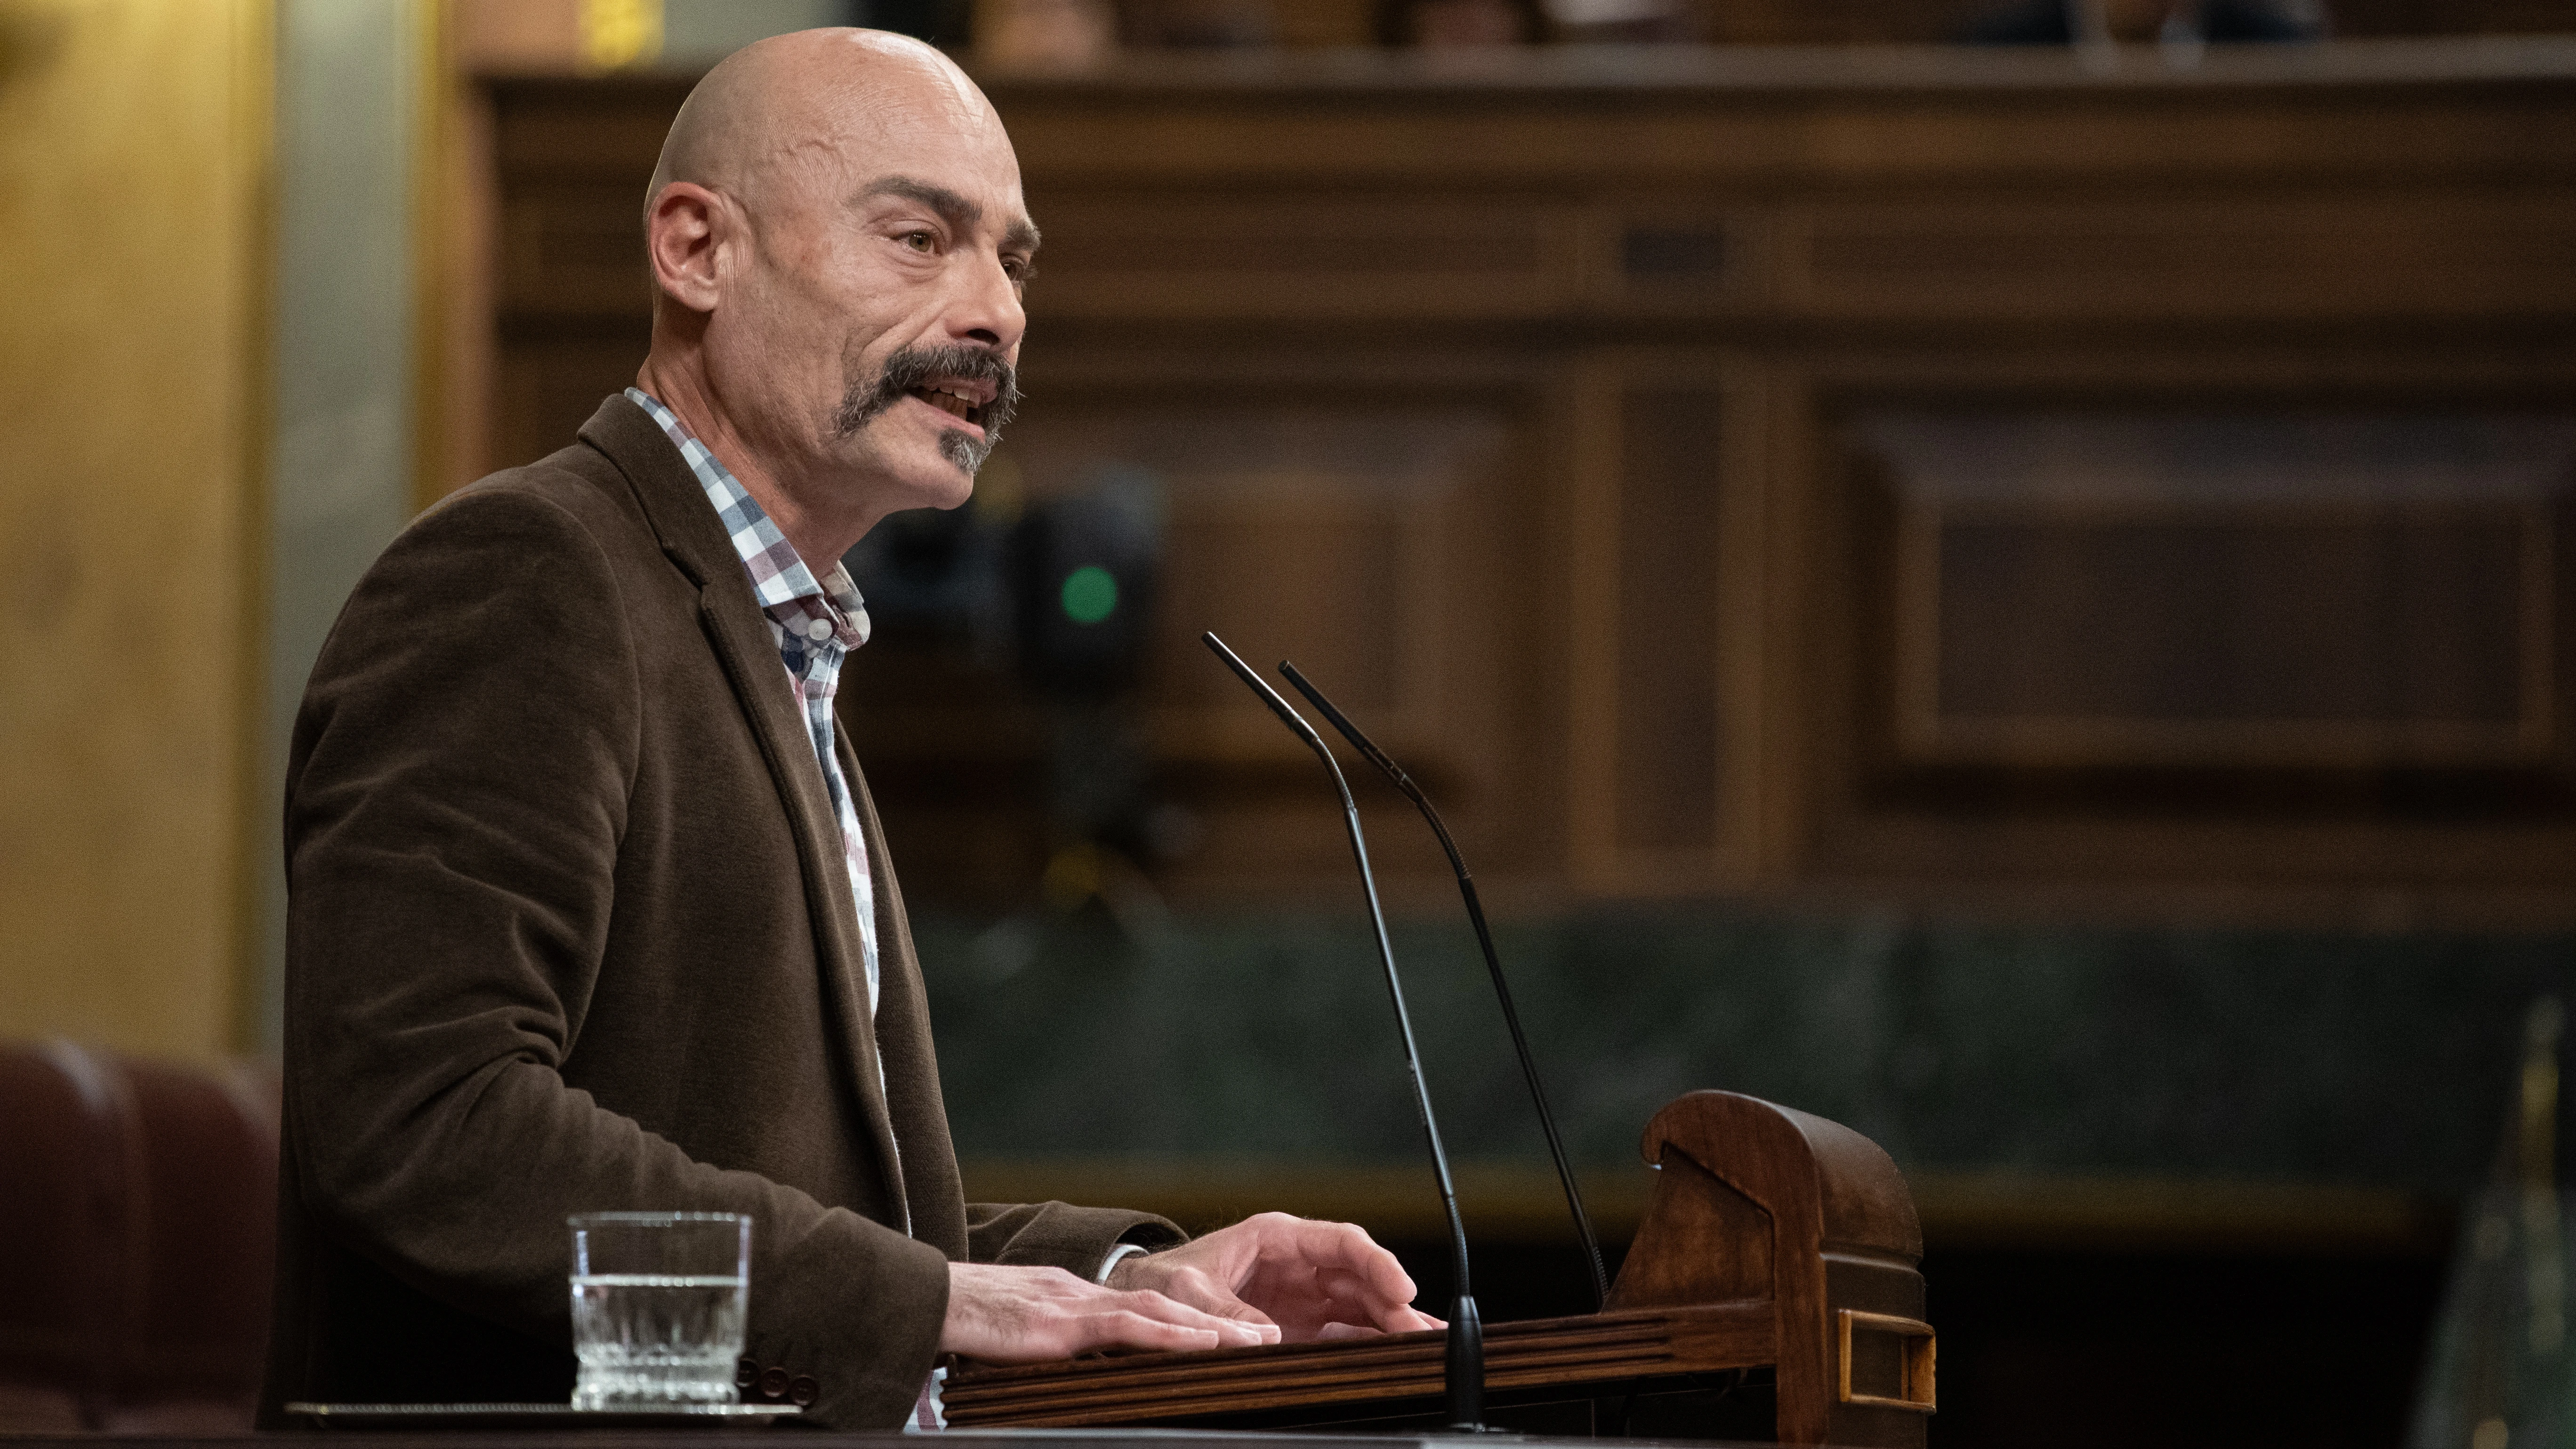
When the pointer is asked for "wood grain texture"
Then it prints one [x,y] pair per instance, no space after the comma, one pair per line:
[1764,1223]
[1606,1348]
[1819,1188]
[1666,638]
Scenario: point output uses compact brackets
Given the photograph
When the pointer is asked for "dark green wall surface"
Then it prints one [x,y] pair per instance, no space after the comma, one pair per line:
[2378,1060]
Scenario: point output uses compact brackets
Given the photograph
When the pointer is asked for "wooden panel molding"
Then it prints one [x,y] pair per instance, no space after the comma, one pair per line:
[2186,649]
[2354,636]
[2226,255]
[1517,399]
[1325,255]
[2116,589]
[1666,535]
[576,252]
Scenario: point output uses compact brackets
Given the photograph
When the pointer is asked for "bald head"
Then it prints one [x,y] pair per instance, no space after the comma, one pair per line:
[780,109]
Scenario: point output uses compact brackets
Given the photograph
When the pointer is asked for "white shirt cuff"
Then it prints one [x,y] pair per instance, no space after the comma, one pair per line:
[1117,1255]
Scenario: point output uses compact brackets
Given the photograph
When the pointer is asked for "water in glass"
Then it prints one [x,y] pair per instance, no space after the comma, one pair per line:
[657,1308]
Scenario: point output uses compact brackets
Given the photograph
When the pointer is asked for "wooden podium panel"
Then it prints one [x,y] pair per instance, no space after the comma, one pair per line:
[1593,1351]
[1773,1240]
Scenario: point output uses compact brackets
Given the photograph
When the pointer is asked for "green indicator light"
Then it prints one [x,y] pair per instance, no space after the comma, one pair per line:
[1090,594]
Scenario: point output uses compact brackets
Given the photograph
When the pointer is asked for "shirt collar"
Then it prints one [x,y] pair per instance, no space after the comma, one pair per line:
[786,588]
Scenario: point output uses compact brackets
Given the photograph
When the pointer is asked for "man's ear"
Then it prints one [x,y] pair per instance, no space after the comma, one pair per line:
[680,236]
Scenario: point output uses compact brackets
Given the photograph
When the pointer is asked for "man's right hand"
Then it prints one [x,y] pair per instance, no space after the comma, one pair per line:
[1001,1314]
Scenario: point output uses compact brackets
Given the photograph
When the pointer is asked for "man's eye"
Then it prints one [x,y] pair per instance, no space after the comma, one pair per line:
[921,241]
[1018,270]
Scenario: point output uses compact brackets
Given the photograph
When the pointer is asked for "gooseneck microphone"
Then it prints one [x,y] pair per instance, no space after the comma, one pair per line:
[1493,967]
[1466,1361]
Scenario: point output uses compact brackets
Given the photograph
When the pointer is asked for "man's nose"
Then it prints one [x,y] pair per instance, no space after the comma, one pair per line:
[987,309]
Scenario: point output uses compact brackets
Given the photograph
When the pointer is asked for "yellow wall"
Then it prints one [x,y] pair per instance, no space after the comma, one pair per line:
[133,178]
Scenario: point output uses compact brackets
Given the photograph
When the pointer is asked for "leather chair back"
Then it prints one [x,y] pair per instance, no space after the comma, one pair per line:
[137,1231]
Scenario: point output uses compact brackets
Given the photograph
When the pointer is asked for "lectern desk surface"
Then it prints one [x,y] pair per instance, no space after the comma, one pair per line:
[1776,1246]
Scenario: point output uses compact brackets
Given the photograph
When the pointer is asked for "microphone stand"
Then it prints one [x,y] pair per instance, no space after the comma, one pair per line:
[1493,967]
[1466,1358]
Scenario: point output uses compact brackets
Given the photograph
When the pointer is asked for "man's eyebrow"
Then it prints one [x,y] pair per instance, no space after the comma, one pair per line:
[954,209]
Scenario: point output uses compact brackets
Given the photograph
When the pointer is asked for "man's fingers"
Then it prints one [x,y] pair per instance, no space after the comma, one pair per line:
[1294,1272]
[1408,1321]
[1349,1247]
[1126,1329]
[1304,1302]
[1197,1290]
[1359,1300]
[1024,1315]
[1230,1332]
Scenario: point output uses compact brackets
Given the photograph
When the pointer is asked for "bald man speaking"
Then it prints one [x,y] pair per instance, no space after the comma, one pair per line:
[588,905]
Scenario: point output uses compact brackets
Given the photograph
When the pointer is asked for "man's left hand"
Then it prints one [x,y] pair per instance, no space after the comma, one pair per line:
[1312,1279]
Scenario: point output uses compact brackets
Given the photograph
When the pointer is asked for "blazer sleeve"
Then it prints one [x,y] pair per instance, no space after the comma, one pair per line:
[1060,1235]
[456,795]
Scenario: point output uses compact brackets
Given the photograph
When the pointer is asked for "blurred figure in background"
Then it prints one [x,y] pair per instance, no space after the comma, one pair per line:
[1048,34]
[1440,24]
[2073,22]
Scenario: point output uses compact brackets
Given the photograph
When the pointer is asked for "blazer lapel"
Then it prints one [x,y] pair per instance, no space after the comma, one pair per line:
[694,539]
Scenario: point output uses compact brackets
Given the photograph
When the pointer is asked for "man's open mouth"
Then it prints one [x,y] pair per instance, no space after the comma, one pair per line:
[955,403]
[970,384]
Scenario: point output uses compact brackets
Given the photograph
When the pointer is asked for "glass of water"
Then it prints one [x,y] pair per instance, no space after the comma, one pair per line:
[657,1307]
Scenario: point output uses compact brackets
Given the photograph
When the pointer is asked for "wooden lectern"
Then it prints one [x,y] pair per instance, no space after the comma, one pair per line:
[1773,1240]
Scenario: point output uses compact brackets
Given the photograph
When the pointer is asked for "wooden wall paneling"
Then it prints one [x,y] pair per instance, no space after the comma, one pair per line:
[1835,22]
[1697,120]
[1325,245]
[2448,17]
[568,166]
[548,381]
[1324,253]
[1372,518]
[1808,629]
[562,127]
[2298,810]
[574,249]
[1666,737]
[2237,254]
[1766,624]
[2548,663]
[1593,492]
[1749,602]
[1658,257]
[2355,636]
[1664,616]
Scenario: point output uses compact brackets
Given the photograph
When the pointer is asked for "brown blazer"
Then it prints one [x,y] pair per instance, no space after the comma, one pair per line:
[569,929]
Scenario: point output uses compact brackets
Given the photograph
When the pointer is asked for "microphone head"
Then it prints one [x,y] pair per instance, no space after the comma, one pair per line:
[1342,722]
[1269,696]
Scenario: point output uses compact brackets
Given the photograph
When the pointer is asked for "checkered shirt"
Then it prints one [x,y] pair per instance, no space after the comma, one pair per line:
[815,626]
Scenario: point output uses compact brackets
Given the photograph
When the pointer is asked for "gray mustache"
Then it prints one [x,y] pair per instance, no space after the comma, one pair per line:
[916,366]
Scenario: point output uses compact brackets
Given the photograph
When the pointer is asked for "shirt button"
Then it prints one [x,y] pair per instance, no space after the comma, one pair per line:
[819,630]
[773,1384]
[802,1391]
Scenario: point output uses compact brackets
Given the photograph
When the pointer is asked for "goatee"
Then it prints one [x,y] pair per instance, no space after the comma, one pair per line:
[917,367]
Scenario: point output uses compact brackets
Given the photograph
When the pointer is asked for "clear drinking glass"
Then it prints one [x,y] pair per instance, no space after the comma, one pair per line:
[657,1307]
